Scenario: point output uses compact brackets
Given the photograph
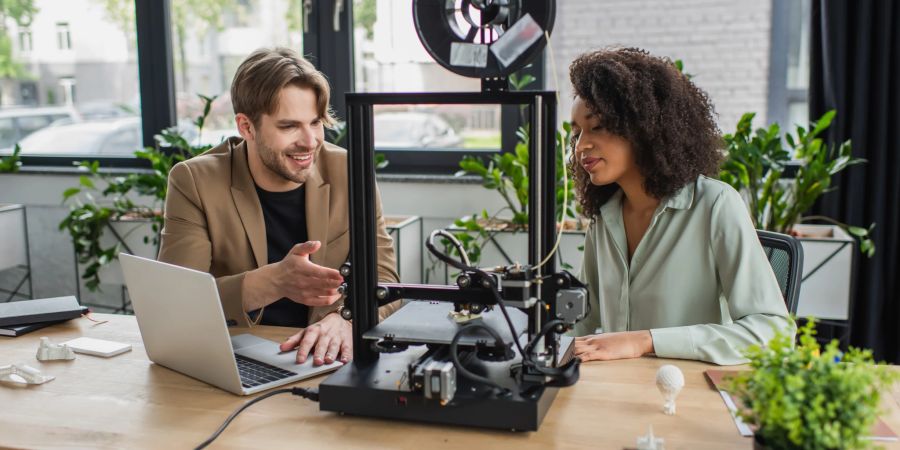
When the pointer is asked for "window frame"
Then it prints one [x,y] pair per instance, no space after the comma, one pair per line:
[63,36]
[26,36]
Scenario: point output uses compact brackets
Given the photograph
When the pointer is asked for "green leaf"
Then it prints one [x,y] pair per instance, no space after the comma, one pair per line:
[857,231]
[518,83]
[86,182]
[790,140]
[823,122]
[70,192]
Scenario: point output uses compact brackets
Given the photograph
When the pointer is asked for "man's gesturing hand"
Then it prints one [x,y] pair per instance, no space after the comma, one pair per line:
[298,279]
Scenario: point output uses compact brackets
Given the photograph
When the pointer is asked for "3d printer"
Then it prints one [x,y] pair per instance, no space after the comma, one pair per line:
[489,351]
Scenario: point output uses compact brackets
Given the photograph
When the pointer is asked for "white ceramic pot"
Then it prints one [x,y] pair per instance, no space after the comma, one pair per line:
[828,254]
[13,248]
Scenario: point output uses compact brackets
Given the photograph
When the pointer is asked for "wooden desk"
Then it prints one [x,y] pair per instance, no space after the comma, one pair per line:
[127,401]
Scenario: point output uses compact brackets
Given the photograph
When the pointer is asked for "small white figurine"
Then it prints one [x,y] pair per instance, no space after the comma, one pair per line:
[49,352]
[650,442]
[19,373]
[463,316]
[669,380]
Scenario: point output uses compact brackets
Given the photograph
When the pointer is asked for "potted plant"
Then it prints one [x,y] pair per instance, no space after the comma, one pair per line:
[780,184]
[106,210]
[499,237]
[507,174]
[808,397]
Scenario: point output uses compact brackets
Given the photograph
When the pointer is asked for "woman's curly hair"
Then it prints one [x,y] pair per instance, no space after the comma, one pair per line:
[669,121]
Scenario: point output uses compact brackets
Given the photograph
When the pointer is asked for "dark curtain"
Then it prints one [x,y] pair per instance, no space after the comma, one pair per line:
[855,69]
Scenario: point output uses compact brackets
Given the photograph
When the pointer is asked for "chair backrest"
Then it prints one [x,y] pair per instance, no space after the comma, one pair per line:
[786,258]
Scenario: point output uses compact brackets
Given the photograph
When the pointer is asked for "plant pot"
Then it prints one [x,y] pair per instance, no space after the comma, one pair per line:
[129,234]
[509,246]
[828,254]
[408,244]
[759,443]
[14,242]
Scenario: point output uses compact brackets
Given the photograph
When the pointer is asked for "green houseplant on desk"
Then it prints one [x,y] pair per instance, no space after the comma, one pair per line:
[808,397]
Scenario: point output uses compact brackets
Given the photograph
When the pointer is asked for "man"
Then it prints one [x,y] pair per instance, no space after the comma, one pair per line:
[267,215]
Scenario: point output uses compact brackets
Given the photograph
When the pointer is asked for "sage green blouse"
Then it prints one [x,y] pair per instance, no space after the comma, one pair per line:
[698,280]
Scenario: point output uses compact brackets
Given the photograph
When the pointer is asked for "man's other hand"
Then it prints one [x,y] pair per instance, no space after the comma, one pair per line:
[328,340]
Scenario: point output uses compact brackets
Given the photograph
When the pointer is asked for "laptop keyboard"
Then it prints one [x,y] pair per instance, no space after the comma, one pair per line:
[254,373]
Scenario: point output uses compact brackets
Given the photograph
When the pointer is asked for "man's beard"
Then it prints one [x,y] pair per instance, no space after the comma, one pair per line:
[275,161]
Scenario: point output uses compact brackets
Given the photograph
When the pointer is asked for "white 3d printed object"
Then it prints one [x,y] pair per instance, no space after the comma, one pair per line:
[49,352]
[19,373]
[669,380]
[650,442]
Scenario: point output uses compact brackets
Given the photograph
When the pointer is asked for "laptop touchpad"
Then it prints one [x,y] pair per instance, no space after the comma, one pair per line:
[267,351]
[246,340]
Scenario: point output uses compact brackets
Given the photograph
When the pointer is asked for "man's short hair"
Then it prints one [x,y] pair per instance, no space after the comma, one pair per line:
[260,78]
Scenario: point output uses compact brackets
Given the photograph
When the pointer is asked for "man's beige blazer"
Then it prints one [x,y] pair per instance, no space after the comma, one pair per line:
[214,222]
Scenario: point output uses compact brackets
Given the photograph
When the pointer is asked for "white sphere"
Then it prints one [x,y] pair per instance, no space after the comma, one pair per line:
[669,379]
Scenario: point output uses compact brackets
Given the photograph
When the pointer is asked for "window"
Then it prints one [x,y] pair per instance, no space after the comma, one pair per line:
[30,124]
[25,42]
[798,63]
[209,41]
[94,95]
[789,59]
[60,103]
[7,132]
[68,89]
[389,57]
[63,36]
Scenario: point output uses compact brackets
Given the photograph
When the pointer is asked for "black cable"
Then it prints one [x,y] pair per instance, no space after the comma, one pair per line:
[526,357]
[454,356]
[526,354]
[307,393]
[546,329]
[456,264]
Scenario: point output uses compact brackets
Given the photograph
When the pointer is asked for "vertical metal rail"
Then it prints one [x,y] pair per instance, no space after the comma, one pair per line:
[361,170]
[548,229]
[535,210]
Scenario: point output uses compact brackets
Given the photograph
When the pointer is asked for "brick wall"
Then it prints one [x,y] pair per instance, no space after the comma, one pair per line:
[724,43]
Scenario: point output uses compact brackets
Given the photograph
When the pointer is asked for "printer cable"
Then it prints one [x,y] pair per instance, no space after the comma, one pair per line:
[307,393]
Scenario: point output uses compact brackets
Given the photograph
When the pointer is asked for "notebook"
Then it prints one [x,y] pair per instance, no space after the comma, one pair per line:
[40,310]
[880,431]
[18,330]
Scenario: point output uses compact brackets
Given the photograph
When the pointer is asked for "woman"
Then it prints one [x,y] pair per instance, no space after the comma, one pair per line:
[671,258]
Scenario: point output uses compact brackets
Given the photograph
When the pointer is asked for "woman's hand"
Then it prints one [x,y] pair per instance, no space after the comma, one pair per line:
[607,346]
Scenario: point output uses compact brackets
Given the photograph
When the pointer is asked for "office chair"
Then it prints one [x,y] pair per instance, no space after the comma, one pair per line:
[786,258]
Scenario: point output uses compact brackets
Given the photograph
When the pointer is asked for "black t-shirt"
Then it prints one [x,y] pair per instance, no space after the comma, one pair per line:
[285,216]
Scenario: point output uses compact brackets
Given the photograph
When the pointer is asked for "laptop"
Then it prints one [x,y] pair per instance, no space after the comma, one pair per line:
[183,327]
